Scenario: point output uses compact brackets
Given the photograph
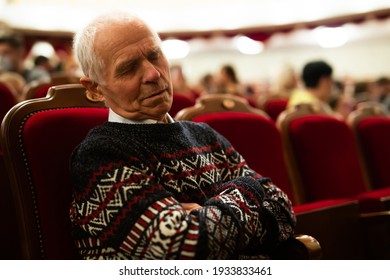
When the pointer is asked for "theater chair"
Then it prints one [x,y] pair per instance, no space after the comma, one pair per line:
[333,222]
[180,101]
[323,159]
[36,89]
[7,101]
[275,106]
[38,136]
[371,126]
[213,103]
[324,163]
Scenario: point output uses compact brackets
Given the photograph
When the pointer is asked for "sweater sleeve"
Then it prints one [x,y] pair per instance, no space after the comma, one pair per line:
[276,221]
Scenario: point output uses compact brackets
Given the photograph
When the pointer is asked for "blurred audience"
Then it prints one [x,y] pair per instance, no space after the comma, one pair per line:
[206,84]
[41,71]
[180,83]
[382,86]
[12,51]
[287,82]
[226,81]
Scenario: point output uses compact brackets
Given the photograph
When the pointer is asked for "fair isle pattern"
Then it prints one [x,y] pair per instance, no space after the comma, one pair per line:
[222,229]
[159,231]
[129,207]
[281,203]
[111,193]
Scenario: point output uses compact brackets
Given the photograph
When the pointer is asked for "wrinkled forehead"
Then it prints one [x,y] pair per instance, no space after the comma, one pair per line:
[119,34]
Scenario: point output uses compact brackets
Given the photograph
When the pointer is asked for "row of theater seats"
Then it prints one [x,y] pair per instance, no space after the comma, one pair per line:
[38,141]
[335,172]
[272,106]
[38,136]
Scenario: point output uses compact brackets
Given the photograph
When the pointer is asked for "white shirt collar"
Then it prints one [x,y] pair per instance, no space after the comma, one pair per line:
[114,117]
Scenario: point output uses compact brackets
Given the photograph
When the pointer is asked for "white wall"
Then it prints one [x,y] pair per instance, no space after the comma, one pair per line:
[360,60]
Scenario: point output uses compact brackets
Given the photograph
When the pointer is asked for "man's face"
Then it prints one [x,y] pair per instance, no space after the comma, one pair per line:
[136,80]
[10,58]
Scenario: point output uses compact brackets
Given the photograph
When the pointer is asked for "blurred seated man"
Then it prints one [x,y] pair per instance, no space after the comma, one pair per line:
[149,187]
[318,83]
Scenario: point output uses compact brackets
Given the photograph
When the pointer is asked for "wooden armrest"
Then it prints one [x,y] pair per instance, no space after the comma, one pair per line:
[301,247]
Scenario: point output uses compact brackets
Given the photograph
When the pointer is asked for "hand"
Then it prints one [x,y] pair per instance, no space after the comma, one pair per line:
[190,206]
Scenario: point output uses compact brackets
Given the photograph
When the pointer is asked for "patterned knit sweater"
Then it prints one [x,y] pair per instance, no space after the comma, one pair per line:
[129,182]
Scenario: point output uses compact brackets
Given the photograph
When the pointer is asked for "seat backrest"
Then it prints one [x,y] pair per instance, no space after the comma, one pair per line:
[213,103]
[275,106]
[7,100]
[371,126]
[38,136]
[180,102]
[36,89]
[257,139]
[62,78]
[321,153]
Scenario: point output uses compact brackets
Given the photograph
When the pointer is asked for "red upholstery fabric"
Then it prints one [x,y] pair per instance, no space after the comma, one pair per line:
[9,248]
[257,139]
[274,107]
[323,204]
[7,100]
[374,135]
[327,157]
[48,148]
[180,101]
[42,91]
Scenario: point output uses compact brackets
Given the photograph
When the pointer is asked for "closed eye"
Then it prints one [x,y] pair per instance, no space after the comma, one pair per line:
[125,68]
[154,55]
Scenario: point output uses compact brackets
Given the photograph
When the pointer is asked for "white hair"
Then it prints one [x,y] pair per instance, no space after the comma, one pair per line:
[83,43]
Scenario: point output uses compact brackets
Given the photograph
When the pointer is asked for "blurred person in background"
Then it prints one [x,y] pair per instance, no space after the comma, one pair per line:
[41,71]
[318,84]
[12,51]
[180,83]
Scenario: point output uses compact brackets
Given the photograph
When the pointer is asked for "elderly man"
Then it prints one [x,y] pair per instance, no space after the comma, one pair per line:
[149,187]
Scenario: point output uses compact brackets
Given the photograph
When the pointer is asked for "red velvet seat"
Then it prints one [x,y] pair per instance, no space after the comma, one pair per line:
[7,100]
[323,155]
[213,103]
[257,138]
[274,106]
[36,90]
[237,126]
[180,102]
[371,125]
[38,137]
[7,249]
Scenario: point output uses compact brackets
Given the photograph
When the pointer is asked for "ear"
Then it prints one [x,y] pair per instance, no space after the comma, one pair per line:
[93,93]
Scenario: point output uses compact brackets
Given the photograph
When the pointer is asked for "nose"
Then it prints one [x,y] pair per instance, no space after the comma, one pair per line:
[151,73]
